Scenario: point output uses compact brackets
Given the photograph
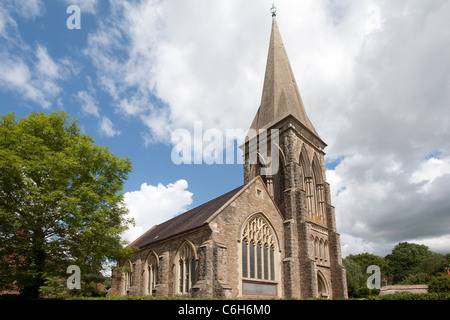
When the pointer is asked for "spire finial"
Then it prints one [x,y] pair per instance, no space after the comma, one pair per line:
[273,10]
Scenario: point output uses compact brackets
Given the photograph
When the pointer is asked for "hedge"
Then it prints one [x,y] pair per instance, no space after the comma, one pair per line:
[412,296]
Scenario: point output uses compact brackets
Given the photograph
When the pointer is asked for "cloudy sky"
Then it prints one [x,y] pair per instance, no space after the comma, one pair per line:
[374,76]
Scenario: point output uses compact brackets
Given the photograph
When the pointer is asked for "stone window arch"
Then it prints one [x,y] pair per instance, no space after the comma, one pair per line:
[279,182]
[316,248]
[186,268]
[319,191]
[325,252]
[128,270]
[309,183]
[259,257]
[322,286]
[320,250]
[151,271]
[304,167]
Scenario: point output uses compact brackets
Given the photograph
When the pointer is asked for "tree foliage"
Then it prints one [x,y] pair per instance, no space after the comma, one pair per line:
[408,263]
[60,200]
[356,266]
[440,284]
[405,258]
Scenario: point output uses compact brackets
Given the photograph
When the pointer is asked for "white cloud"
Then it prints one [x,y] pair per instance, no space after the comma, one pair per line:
[15,74]
[89,106]
[26,8]
[45,64]
[152,205]
[35,78]
[88,103]
[429,170]
[107,128]
[5,20]
[379,205]
[438,244]
[186,69]
[355,245]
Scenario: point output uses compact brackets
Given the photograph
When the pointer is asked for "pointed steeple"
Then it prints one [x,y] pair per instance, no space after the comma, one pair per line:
[280,96]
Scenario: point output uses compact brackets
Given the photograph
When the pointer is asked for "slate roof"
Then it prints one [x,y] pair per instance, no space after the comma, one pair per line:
[188,221]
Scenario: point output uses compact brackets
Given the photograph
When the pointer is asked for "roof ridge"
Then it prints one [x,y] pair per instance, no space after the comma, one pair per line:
[145,233]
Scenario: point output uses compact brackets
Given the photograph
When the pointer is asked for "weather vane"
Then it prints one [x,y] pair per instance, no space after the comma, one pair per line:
[273,10]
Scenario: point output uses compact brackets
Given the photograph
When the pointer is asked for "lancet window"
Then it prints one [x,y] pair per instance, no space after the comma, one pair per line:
[151,273]
[321,250]
[187,268]
[314,188]
[128,276]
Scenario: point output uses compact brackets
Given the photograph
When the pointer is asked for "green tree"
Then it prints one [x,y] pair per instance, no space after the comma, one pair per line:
[356,267]
[440,284]
[364,260]
[405,258]
[61,201]
[355,277]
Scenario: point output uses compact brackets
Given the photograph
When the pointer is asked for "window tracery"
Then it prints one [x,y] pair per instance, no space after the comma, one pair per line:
[186,268]
[258,247]
[151,273]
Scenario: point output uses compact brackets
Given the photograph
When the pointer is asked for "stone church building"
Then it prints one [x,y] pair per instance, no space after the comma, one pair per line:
[273,237]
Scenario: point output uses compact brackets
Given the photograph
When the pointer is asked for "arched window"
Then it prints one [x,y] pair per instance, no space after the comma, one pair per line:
[186,263]
[321,250]
[316,248]
[127,276]
[319,192]
[279,182]
[151,273]
[258,250]
[245,259]
[309,183]
[321,202]
[305,167]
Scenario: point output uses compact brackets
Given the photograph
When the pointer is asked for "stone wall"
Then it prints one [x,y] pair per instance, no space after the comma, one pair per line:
[166,251]
[417,288]
[227,232]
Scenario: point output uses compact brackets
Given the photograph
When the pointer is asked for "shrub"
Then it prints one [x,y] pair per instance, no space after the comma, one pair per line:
[89,290]
[415,296]
[439,284]
[419,278]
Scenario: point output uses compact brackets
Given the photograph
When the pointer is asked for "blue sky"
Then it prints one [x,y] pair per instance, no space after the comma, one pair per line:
[373,74]
[47,32]
[152,163]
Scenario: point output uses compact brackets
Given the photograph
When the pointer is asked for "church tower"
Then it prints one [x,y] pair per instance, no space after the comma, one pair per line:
[293,169]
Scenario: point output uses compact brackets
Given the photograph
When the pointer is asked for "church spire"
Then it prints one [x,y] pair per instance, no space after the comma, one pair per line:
[280,96]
